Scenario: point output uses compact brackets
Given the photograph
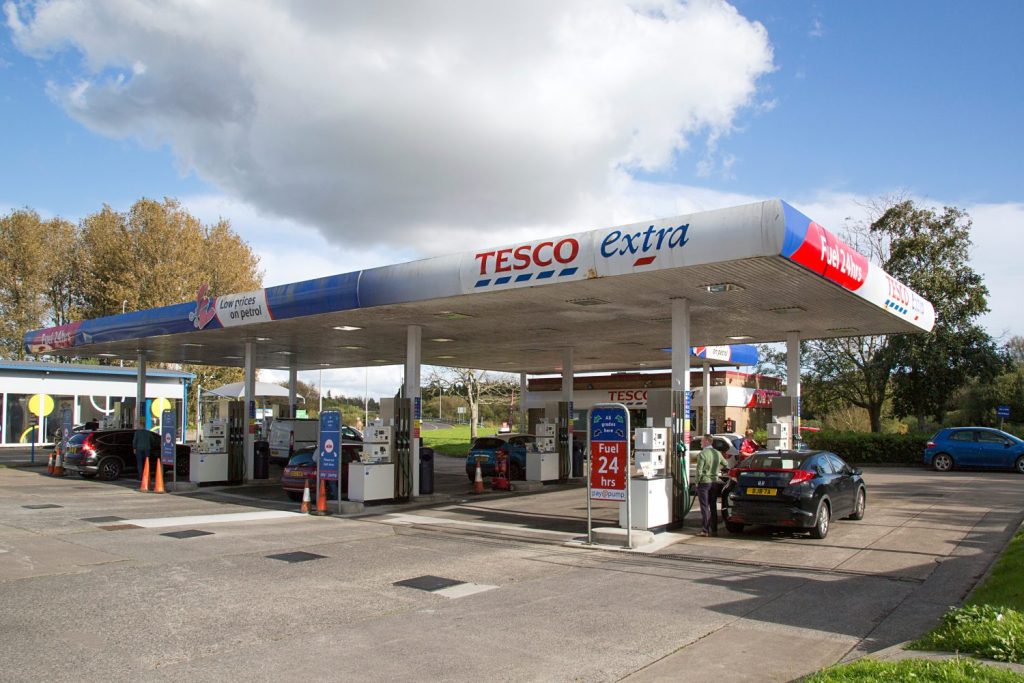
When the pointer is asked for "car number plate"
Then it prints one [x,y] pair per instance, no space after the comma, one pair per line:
[761,492]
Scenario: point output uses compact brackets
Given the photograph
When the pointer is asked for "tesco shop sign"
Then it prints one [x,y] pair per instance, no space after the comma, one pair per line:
[547,254]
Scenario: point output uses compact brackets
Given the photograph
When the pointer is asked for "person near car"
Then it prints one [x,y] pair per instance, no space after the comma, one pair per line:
[748,447]
[140,444]
[709,463]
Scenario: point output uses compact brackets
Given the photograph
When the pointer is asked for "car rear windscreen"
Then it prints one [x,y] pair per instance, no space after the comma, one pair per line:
[774,461]
[488,443]
[305,458]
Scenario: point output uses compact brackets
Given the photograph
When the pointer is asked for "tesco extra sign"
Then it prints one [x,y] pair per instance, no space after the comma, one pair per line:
[527,256]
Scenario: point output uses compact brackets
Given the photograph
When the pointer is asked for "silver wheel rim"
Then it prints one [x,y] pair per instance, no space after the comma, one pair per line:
[942,462]
[860,502]
[823,520]
[1020,465]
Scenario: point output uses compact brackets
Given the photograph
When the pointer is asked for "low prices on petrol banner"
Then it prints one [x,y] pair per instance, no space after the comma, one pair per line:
[168,429]
[330,444]
[609,453]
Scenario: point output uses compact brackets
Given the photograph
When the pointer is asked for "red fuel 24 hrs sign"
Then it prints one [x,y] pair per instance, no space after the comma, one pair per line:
[609,452]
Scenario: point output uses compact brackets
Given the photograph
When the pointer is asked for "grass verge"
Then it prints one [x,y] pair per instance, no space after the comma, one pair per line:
[991,624]
[957,670]
[453,441]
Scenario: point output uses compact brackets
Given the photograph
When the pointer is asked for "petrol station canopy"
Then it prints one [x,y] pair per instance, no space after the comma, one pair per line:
[753,273]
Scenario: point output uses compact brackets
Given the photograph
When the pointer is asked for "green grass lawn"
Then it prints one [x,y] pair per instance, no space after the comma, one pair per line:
[454,440]
[991,624]
[921,670]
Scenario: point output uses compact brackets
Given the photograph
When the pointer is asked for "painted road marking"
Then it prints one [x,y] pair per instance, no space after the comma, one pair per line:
[195,520]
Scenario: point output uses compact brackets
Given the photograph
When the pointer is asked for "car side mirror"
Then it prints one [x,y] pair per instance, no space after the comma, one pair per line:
[855,471]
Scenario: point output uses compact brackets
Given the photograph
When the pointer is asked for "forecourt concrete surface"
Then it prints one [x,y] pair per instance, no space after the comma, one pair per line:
[87,597]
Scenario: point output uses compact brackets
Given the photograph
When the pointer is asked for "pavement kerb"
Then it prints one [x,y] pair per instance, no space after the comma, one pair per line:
[899,652]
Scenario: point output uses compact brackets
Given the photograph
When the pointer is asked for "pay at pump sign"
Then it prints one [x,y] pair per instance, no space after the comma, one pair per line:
[330,444]
[609,453]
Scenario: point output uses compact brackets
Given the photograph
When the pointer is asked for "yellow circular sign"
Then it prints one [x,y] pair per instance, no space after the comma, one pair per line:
[159,405]
[40,404]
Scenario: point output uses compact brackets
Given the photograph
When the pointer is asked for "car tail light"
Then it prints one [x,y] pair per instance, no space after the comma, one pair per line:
[734,473]
[800,476]
[930,444]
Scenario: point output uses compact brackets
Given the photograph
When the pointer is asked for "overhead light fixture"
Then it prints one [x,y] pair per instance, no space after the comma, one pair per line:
[324,365]
[444,357]
[441,340]
[262,338]
[452,315]
[352,347]
[346,328]
[588,301]
[231,357]
[786,310]
[283,367]
[720,287]
[741,337]
[380,360]
[192,360]
[285,353]
[643,365]
[107,355]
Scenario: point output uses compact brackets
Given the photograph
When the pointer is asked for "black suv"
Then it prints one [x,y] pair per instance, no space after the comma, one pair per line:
[108,454]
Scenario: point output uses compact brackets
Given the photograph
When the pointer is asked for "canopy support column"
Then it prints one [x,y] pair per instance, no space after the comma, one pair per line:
[249,398]
[679,456]
[793,377]
[707,399]
[293,379]
[522,402]
[413,359]
[568,374]
[140,387]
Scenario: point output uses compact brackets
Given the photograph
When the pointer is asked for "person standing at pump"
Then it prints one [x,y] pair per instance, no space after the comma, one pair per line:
[140,444]
[709,462]
[748,446]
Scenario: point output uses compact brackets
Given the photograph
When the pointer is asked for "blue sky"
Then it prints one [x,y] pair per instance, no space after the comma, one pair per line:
[360,131]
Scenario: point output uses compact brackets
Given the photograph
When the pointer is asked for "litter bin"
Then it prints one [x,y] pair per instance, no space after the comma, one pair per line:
[426,471]
[261,460]
[578,450]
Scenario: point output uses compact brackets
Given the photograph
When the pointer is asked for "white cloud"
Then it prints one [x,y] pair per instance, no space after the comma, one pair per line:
[387,122]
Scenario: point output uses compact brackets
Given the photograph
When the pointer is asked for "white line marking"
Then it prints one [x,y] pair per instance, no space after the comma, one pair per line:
[161,522]
[401,518]
[463,589]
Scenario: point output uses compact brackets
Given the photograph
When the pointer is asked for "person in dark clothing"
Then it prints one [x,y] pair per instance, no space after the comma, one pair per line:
[140,444]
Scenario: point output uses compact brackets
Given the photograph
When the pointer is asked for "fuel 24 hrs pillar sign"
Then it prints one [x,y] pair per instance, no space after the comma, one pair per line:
[609,452]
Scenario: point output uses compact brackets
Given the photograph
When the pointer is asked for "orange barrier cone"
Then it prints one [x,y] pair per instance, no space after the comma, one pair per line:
[58,464]
[478,479]
[321,500]
[144,486]
[50,465]
[159,487]
[304,509]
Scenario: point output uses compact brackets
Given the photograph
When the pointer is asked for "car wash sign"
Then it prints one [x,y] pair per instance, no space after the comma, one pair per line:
[608,434]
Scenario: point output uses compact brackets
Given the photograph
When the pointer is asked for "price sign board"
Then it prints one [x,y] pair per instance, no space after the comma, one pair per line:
[608,433]
[168,428]
[330,444]
[1003,411]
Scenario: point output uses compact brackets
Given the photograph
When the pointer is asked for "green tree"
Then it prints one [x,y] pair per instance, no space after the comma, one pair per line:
[476,387]
[928,252]
[29,256]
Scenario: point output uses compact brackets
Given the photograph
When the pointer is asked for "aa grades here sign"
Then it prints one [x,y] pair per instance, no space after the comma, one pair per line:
[609,452]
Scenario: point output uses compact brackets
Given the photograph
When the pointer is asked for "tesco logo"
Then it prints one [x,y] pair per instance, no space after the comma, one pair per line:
[542,255]
[618,243]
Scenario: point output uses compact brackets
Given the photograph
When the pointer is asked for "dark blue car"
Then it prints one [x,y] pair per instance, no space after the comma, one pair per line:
[515,447]
[974,447]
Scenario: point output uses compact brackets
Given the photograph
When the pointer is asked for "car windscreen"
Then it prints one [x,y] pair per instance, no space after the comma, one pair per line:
[487,443]
[776,461]
[304,457]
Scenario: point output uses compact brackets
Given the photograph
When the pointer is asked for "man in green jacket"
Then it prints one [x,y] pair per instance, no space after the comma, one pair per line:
[709,462]
[140,444]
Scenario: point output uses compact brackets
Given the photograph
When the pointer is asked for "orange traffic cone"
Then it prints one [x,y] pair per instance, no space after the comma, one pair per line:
[159,487]
[50,465]
[58,464]
[144,486]
[304,508]
[321,500]
[478,479]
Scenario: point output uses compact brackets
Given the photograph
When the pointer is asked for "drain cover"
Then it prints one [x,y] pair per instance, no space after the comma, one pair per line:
[44,506]
[298,556]
[187,533]
[102,520]
[429,583]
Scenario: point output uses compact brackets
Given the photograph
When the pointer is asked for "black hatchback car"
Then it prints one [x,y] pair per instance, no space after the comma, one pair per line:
[108,454]
[801,489]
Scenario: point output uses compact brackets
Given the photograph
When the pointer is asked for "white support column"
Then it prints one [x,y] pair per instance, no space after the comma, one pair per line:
[707,399]
[793,376]
[568,374]
[522,403]
[293,379]
[140,387]
[681,359]
[249,399]
[413,359]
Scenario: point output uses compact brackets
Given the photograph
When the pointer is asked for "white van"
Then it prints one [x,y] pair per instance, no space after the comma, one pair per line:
[289,434]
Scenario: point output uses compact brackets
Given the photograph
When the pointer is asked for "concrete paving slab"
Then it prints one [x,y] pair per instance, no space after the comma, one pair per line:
[32,557]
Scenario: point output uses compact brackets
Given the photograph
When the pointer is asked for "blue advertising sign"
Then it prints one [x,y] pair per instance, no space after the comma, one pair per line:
[168,428]
[1003,411]
[330,444]
[608,431]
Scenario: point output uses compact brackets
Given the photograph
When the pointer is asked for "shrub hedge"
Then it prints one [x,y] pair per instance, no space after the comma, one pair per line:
[860,448]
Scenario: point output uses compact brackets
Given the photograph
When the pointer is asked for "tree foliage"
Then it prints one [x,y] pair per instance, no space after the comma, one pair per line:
[475,387]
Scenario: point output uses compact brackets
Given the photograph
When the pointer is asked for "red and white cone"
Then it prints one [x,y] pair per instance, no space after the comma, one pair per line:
[58,465]
[304,509]
[478,479]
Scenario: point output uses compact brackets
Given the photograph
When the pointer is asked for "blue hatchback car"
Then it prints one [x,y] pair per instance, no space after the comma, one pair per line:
[974,447]
[515,447]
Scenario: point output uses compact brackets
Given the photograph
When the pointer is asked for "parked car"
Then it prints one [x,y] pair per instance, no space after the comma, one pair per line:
[301,468]
[108,454]
[974,447]
[290,435]
[515,447]
[726,444]
[795,489]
